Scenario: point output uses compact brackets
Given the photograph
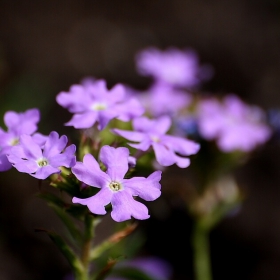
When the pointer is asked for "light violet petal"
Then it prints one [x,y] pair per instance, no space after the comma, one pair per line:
[146,188]
[96,204]
[129,110]
[162,124]
[25,122]
[124,207]
[129,135]
[39,139]
[83,120]
[54,145]
[116,161]
[67,158]
[4,163]
[77,100]
[144,124]
[164,156]
[182,162]
[104,117]
[182,146]
[26,166]
[89,172]
[143,146]
[117,93]
[44,172]
[31,149]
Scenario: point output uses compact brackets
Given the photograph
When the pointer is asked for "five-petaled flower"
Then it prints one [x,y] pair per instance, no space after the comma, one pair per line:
[232,123]
[17,124]
[152,132]
[114,188]
[29,157]
[93,102]
[179,68]
[162,99]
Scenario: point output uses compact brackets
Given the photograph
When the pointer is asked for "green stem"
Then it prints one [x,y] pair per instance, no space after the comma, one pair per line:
[90,223]
[201,249]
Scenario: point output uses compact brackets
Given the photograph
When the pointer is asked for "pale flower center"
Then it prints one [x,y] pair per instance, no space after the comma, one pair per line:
[42,162]
[99,106]
[155,139]
[14,141]
[115,186]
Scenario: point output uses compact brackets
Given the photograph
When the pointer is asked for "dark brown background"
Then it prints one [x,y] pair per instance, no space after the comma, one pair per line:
[45,46]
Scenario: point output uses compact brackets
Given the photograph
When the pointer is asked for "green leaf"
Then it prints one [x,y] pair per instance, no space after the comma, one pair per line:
[66,251]
[76,211]
[68,222]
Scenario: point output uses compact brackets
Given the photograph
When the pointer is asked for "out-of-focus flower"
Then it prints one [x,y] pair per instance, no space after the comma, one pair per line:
[154,267]
[17,124]
[186,125]
[161,99]
[179,68]
[152,132]
[114,188]
[273,116]
[232,123]
[29,157]
[92,102]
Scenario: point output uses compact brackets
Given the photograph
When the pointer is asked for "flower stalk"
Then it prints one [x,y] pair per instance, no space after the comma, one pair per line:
[201,252]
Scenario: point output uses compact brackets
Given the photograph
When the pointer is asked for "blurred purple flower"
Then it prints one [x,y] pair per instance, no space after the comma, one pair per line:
[234,124]
[153,267]
[162,99]
[28,156]
[92,102]
[173,66]
[152,132]
[17,124]
[114,188]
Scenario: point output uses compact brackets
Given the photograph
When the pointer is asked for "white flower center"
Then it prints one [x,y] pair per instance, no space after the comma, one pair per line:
[42,162]
[14,141]
[115,186]
[155,139]
[98,106]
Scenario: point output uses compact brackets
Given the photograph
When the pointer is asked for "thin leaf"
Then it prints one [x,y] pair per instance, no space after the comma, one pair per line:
[66,251]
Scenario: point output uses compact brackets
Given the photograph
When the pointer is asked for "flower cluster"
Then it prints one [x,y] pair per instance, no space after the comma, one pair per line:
[165,123]
[234,124]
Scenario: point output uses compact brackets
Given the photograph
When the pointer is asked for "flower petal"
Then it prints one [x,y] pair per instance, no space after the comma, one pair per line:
[4,163]
[130,135]
[182,146]
[45,171]
[96,204]
[83,120]
[146,188]
[89,172]
[67,158]
[54,145]
[104,117]
[16,156]
[116,161]
[164,156]
[31,149]
[124,206]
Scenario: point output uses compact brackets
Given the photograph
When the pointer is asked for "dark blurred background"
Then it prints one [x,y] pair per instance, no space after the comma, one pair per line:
[46,46]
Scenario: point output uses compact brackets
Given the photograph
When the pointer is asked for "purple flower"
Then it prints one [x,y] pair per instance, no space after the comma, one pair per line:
[29,157]
[153,133]
[152,266]
[232,123]
[17,124]
[92,102]
[172,66]
[162,99]
[114,188]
